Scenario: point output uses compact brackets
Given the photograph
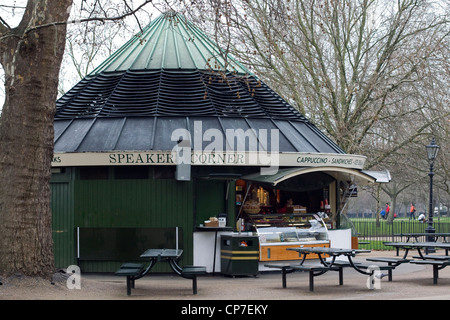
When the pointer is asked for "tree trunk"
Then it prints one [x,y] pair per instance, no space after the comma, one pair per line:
[31,57]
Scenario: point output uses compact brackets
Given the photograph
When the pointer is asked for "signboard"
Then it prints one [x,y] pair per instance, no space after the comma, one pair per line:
[201,158]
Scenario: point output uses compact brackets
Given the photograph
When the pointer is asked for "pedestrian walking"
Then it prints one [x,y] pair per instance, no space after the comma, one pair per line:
[412,212]
[387,210]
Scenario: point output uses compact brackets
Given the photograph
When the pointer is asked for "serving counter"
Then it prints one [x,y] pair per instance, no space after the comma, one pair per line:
[279,232]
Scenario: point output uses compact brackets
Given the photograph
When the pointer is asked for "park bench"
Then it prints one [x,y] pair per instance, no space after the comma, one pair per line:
[392,264]
[437,265]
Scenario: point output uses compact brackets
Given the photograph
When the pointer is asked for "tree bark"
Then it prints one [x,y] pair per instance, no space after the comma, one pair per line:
[31,57]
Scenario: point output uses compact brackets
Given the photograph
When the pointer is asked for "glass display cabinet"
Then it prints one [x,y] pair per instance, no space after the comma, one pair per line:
[277,232]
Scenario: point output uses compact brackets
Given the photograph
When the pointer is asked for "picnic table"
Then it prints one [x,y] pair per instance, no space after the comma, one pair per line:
[436,235]
[419,246]
[135,271]
[332,265]
[417,235]
[438,262]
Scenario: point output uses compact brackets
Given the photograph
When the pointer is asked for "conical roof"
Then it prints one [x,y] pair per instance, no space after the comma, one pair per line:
[171,42]
[168,77]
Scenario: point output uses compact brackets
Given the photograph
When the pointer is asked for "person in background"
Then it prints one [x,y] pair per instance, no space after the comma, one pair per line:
[289,203]
[383,214]
[422,217]
[412,211]
[387,210]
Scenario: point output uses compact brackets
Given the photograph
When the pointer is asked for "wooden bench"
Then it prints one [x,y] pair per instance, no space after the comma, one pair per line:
[314,270]
[392,264]
[437,265]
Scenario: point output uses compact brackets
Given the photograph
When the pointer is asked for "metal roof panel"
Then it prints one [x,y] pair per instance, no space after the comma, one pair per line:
[171,41]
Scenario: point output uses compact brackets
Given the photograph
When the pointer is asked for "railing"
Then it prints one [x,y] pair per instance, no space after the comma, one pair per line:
[369,230]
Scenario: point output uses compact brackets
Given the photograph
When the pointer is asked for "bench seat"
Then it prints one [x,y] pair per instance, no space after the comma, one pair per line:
[433,257]
[131,272]
[383,268]
[128,272]
[392,264]
[191,272]
[314,270]
[387,268]
[432,262]
[134,270]
[437,265]
[131,265]
[285,269]
[397,261]
[310,268]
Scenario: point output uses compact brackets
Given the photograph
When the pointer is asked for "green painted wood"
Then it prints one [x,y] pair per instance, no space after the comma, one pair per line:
[136,203]
[62,219]
[210,199]
[107,201]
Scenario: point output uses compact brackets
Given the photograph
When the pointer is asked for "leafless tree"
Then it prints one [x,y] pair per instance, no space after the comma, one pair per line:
[373,74]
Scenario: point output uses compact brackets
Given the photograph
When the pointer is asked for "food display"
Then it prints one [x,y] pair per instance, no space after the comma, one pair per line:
[276,234]
[283,219]
[312,229]
[252,207]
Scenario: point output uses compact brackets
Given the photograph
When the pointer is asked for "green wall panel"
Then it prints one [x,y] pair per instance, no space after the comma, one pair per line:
[62,220]
[104,201]
[136,203]
[210,199]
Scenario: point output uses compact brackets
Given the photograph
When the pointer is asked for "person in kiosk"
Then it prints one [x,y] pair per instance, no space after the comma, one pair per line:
[289,203]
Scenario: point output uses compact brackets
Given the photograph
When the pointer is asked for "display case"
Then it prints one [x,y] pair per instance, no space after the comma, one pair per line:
[277,232]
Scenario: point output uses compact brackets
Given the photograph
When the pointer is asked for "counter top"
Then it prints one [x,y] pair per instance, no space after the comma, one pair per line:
[213,229]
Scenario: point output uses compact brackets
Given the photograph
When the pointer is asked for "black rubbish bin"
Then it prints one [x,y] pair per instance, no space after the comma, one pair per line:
[239,255]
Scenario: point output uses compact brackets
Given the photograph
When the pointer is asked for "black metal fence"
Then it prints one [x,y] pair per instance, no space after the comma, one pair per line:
[369,230]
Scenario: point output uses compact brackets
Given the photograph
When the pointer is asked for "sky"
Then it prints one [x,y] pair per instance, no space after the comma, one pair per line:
[11,12]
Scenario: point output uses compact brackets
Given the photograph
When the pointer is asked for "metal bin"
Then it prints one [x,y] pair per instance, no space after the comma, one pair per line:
[239,255]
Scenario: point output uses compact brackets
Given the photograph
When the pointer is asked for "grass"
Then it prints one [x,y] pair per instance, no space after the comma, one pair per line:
[377,233]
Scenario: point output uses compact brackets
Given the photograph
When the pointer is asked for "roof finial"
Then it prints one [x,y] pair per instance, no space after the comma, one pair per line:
[170,13]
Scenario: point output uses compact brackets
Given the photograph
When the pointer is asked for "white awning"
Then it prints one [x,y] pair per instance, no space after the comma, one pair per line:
[346,174]
[380,176]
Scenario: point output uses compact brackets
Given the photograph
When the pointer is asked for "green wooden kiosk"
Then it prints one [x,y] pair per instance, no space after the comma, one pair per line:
[150,145]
